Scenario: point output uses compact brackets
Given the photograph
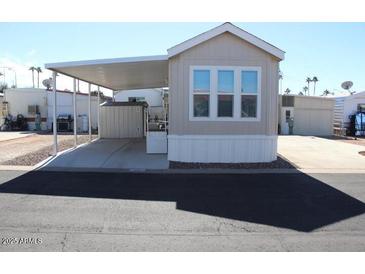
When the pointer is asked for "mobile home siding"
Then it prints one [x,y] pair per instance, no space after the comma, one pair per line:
[223,50]
[338,113]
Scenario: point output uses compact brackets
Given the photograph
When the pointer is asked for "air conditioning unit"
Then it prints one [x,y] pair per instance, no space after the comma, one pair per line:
[33,109]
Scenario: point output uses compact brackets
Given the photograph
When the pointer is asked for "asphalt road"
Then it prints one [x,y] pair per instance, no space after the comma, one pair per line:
[54,211]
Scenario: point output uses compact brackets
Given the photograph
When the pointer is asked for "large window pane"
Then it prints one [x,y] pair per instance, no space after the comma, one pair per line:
[201,105]
[201,80]
[248,105]
[225,81]
[225,105]
[249,81]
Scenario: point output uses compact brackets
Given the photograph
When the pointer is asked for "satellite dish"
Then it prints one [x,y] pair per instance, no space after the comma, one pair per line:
[347,85]
[47,83]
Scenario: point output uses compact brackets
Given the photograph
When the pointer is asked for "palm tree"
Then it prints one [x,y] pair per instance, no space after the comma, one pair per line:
[314,80]
[326,92]
[287,91]
[33,69]
[300,93]
[308,80]
[305,89]
[39,70]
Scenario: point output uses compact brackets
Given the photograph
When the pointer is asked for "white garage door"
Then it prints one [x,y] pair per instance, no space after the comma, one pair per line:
[121,122]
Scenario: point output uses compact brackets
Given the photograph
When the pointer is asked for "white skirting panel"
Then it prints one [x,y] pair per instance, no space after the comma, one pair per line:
[222,148]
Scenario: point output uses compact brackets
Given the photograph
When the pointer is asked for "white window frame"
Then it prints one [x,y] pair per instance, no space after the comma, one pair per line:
[213,94]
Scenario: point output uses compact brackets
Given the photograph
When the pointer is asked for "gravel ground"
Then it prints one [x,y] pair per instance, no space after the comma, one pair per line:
[279,163]
[33,158]
[351,140]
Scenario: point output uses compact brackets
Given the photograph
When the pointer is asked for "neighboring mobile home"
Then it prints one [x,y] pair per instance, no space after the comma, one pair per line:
[345,107]
[153,97]
[223,93]
[2,108]
[25,101]
[308,115]
[1,100]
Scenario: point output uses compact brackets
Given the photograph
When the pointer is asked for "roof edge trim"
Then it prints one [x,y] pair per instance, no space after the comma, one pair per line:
[106,61]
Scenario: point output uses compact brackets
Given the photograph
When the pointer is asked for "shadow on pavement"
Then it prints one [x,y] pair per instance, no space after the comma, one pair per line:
[294,201]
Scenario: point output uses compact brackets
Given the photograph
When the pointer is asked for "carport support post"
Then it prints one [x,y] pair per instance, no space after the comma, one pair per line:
[55,149]
[98,112]
[89,112]
[75,114]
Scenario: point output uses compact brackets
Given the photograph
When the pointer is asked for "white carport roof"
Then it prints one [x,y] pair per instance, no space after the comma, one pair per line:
[118,73]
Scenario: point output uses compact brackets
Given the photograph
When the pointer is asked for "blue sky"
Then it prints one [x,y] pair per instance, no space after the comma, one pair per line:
[334,52]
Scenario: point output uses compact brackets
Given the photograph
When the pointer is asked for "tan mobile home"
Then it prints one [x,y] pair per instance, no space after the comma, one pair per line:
[223,94]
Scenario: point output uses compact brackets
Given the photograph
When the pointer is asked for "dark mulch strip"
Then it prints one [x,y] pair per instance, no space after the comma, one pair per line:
[279,163]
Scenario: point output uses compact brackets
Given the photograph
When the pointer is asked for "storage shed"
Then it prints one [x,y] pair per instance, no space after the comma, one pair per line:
[122,120]
[346,106]
[309,115]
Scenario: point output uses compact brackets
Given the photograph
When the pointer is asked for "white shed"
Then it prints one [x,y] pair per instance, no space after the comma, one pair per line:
[311,115]
[344,107]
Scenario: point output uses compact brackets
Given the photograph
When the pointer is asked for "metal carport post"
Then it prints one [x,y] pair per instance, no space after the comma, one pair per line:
[98,112]
[55,148]
[90,138]
[75,113]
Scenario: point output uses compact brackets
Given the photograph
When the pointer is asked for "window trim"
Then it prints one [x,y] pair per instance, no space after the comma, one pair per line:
[213,94]
[225,93]
[192,93]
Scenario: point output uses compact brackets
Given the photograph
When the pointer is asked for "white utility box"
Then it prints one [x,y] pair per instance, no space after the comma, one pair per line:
[156,142]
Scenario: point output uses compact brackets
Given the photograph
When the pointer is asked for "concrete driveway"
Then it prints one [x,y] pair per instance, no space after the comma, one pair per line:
[308,152]
[110,154]
[10,135]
